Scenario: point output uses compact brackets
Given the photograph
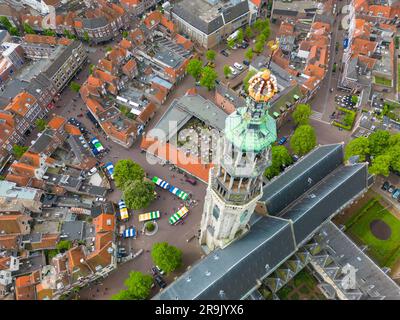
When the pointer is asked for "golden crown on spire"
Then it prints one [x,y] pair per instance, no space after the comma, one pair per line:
[263,86]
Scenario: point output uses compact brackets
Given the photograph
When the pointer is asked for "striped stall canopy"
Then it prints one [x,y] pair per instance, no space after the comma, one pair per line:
[130,233]
[178,192]
[122,204]
[178,215]
[161,183]
[124,213]
[149,216]
[174,190]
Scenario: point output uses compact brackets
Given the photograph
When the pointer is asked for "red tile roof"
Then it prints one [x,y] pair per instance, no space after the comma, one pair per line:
[57,122]
[104,222]
[170,153]
[21,103]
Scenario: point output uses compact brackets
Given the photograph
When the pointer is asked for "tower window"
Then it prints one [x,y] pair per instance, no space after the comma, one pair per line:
[216,212]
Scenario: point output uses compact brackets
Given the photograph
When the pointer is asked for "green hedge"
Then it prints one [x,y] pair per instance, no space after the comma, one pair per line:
[344,126]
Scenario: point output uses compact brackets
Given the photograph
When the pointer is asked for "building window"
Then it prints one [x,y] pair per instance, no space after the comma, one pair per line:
[216,212]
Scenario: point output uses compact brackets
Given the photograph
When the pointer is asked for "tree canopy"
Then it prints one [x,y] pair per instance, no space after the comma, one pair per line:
[138,194]
[248,33]
[194,68]
[249,54]
[49,32]
[227,71]
[138,287]
[210,55]
[303,139]
[259,46]
[208,77]
[167,257]
[41,124]
[357,147]
[378,142]
[381,149]
[280,158]
[381,165]
[28,29]
[240,36]
[126,171]
[247,78]
[74,86]
[231,43]
[18,150]
[301,115]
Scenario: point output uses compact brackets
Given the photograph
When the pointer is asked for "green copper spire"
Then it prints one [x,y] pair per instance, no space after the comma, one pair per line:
[251,128]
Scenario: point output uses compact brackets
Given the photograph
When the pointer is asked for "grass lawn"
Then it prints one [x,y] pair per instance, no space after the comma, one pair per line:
[383,81]
[302,287]
[385,252]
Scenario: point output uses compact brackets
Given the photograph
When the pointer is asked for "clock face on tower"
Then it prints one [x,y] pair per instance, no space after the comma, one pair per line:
[243,216]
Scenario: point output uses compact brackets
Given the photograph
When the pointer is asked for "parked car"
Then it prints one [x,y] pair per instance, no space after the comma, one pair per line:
[160,281]
[234,72]
[246,63]
[295,157]
[92,171]
[238,66]
[224,53]
[386,186]
[100,199]
[396,193]
[191,180]
[160,271]
[391,188]
[154,271]
[282,141]
[245,45]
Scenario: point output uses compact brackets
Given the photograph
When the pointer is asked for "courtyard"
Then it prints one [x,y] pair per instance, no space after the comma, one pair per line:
[375,226]
[302,287]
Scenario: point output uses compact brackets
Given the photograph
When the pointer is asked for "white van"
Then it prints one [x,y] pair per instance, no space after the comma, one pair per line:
[234,72]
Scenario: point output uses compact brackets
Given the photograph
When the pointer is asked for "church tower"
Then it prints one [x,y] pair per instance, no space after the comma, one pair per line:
[235,182]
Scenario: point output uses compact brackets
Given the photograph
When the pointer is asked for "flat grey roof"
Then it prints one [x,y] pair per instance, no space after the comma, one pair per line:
[11,190]
[169,58]
[206,16]
[235,268]
[186,107]
[301,176]
[42,142]
[73,230]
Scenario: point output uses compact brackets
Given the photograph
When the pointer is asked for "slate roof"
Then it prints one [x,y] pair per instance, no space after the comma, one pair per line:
[232,272]
[302,176]
[231,13]
[375,283]
[61,58]
[318,203]
[94,23]
[269,242]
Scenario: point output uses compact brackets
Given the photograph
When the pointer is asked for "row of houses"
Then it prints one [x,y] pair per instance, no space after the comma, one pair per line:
[31,265]
[369,54]
[31,92]
[48,198]
[135,76]
[93,21]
